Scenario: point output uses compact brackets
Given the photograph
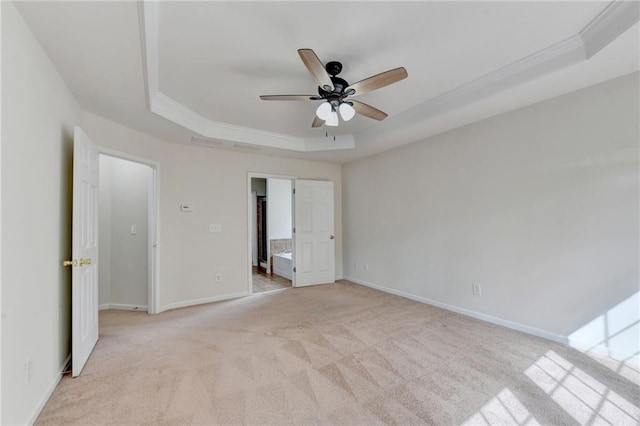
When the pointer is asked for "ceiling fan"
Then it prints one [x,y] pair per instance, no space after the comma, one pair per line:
[336,92]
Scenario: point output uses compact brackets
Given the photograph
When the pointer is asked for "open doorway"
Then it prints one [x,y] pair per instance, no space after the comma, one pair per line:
[271,233]
[126,228]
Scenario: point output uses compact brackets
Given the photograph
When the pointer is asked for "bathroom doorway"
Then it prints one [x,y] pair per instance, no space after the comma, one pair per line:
[270,232]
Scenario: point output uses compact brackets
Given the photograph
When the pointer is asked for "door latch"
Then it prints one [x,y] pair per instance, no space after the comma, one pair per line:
[77,262]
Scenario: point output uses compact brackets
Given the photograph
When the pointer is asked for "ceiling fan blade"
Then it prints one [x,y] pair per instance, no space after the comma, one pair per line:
[317,122]
[377,81]
[316,68]
[288,97]
[368,110]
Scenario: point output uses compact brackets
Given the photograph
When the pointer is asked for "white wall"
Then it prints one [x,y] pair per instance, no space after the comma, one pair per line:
[539,206]
[38,115]
[124,199]
[279,208]
[215,181]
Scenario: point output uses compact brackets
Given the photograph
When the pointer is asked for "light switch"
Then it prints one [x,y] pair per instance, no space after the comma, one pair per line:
[186,207]
[134,229]
[216,227]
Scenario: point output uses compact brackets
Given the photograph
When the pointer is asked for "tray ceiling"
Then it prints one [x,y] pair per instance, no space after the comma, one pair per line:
[183,69]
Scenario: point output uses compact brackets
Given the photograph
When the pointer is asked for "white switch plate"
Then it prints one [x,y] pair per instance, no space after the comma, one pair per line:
[186,207]
[134,229]
[218,278]
[477,289]
[215,227]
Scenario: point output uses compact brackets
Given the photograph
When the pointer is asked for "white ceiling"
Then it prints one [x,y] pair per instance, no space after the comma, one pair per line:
[215,58]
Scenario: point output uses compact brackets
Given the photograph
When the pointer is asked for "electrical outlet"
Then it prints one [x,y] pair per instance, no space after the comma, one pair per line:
[366,266]
[355,265]
[215,227]
[477,289]
[218,278]
[28,370]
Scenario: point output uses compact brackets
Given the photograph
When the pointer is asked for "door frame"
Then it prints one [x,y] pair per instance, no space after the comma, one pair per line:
[251,175]
[153,225]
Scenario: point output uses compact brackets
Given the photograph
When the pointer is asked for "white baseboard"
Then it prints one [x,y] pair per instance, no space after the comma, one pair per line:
[473,314]
[123,307]
[186,303]
[49,392]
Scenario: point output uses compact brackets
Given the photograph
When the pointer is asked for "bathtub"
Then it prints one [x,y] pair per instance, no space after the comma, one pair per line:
[283,265]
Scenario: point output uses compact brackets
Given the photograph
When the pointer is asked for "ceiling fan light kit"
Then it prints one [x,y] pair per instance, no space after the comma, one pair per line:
[333,119]
[346,111]
[324,111]
[334,91]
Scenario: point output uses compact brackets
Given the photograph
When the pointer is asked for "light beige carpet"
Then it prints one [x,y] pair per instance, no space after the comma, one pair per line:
[334,354]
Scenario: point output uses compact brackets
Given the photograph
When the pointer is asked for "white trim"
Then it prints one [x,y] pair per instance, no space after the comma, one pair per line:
[545,61]
[153,251]
[615,19]
[49,392]
[170,109]
[193,302]
[473,314]
[612,21]
[123,307]
[324,143]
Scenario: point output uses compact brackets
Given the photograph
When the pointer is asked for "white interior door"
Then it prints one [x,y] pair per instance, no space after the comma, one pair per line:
[84,276]
[314,256]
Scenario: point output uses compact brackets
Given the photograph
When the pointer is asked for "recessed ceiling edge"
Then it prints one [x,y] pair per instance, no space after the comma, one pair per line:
[603,29]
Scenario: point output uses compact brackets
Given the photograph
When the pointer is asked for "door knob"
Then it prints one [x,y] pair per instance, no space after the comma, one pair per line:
[332,237]
[77,262]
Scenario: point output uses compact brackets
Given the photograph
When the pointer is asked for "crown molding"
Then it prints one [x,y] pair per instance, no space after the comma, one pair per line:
[168,108]
[614,19]
[545,61]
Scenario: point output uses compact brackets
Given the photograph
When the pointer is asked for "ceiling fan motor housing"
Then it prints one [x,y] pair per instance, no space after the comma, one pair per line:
[333,68]
[334,96]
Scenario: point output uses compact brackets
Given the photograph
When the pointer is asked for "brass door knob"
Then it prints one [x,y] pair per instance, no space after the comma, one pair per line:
[77,262]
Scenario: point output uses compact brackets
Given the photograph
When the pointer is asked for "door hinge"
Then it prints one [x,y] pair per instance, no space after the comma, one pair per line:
[294,269]
[294,230]
[294,191]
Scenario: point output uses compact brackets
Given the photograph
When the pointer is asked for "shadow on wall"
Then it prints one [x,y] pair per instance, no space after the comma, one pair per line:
[66,209]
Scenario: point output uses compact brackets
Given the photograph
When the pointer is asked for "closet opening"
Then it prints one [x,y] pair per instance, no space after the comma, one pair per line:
[126,229]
